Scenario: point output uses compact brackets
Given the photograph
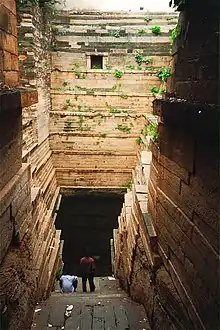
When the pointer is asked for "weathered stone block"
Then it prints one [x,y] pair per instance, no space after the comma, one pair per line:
[191,201]
[169,183]
[8,42]
[173,167]
[6,231]
[208,232]
[10,4]
[11,78]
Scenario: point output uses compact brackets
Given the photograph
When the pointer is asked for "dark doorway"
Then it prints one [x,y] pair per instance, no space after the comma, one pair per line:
[96,62]
[87,219]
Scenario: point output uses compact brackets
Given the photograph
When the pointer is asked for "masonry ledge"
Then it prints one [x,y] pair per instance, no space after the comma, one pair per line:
[83,134]
[145,72]
[67,190]
[194,116]
[92,170]
[93,114]
[29,96]
[94,152]
[9,190]
[73,92]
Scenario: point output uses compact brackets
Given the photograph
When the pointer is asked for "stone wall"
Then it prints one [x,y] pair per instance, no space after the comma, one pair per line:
[97,117]
[8,45]
[35,68]
[167,243]
[29,242]
[184,205]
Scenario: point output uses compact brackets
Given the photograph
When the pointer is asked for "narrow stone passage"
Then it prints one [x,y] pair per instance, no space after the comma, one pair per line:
[108,308]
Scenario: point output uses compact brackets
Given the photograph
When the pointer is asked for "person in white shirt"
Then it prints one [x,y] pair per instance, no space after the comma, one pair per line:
[68,283]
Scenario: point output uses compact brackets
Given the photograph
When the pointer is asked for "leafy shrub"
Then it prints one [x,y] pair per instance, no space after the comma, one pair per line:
[164,73]
[148,60]
[129,184]
[154,90]
[124,128]
[139,140]
[141,32]
[118,74]
[116,33]
[156,30]
[152,131]
[65,83]
[123,96]
[148,19]
[174,33]
[139,58]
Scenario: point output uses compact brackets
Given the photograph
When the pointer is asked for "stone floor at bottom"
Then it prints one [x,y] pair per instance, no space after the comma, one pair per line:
[108,308]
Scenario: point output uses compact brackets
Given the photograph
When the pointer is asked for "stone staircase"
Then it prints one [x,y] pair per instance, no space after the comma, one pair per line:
[108,308]
[135,224]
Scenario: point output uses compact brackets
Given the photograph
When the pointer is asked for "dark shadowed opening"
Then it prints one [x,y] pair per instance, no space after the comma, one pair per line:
[96,62]
[87,219]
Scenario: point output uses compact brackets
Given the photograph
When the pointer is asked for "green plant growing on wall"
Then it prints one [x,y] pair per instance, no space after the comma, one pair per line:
[116,33]
[148,19]
[103,135]
[156,30]
[139,67]
[154,90]
[85,128]
[148,60]
[112,109]
[118,74]
[87,90]
[67,123]
[139,141]
[75,66]
[97,66]
[123,96]
[68,104]
[124,128]
[81,120]
[116,88]
[65,83]
[174,33]
[59,273]
[79,75]
[129,185]
[90,91]
[131,67]
[152,131]
[139,58]
[141,32]
[164,73]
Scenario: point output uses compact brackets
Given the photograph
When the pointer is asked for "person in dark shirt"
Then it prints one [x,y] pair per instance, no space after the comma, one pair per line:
[87,267]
